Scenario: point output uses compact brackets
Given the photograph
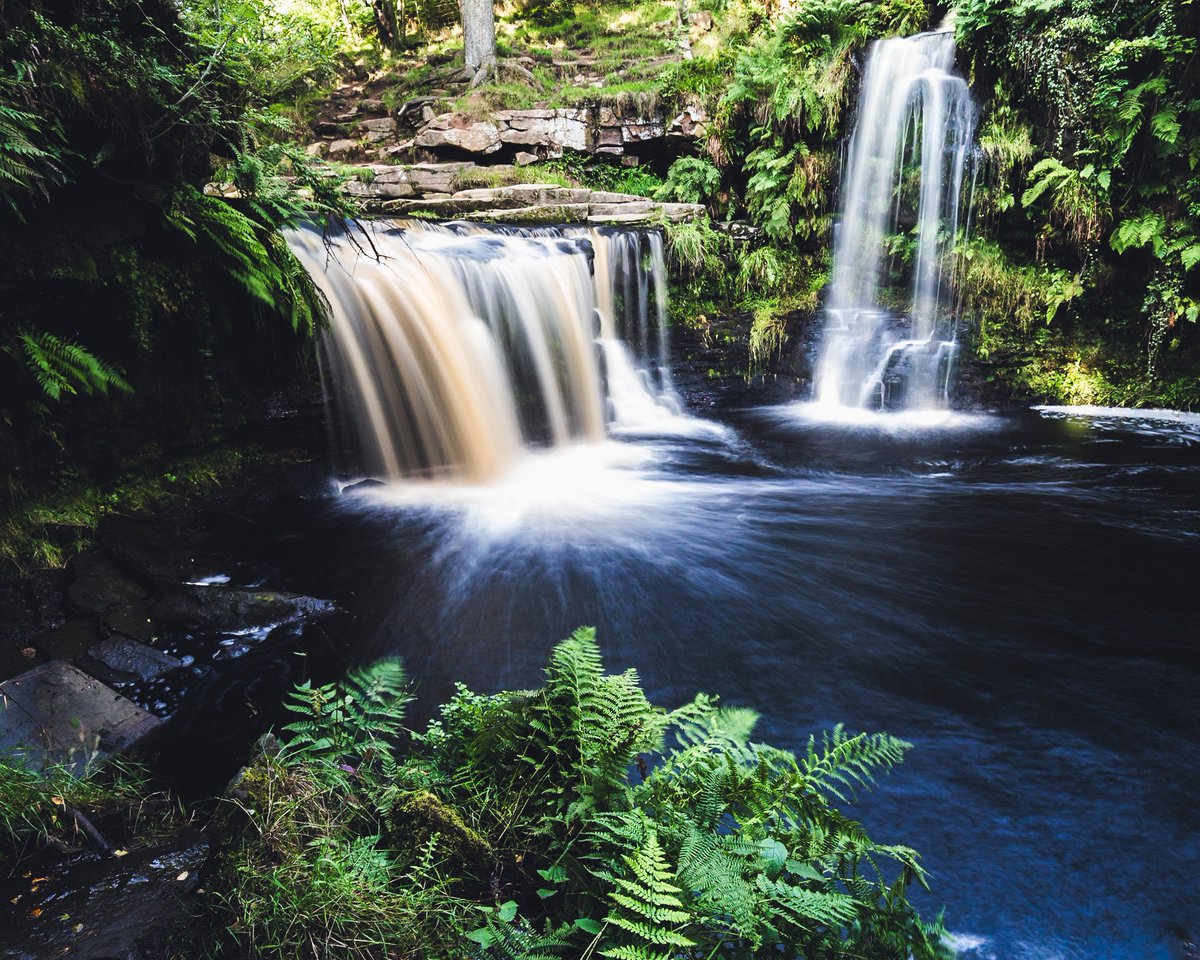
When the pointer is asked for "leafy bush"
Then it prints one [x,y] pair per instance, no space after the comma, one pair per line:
[575,819]
[690,180]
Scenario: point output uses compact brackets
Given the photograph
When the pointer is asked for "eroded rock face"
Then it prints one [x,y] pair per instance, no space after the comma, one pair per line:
[416,131]
[549,133]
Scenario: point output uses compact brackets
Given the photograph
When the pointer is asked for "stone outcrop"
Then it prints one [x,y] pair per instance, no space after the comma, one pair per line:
[416,132]
[430,190]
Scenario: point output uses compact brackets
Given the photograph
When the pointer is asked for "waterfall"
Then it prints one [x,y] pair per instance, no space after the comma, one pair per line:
[452,348]
[909,149]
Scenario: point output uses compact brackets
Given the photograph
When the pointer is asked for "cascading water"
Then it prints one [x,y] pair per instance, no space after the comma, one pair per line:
[452,348]
[914,128]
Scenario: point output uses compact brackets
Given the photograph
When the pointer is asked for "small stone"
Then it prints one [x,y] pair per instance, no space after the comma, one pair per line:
[524,159]
[343,148]
[372,105]
[316,149]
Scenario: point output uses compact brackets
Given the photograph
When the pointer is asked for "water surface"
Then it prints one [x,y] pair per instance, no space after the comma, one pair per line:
[1014,594]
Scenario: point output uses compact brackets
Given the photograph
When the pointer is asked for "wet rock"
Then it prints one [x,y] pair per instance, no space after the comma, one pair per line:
[145,551]
[131,620]
[98,583]
[56,713]
[538,213]
[45,590]
[230,609]
[369,484]
[103,908]
[69,641]
[119,659]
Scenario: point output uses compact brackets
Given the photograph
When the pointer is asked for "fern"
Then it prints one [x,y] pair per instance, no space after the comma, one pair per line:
[845,761]
[29,164]
[62,367]
[350,721]
[646,906]
[250,249]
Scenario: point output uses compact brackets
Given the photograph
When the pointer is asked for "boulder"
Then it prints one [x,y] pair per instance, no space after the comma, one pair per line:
[145,551]
[372,105]
[382,129]
[98,584]
[222,609]
[56,713]
[343,148]
[453,132]
[130,620]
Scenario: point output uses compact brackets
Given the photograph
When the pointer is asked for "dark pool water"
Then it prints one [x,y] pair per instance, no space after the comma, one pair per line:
[1017,595]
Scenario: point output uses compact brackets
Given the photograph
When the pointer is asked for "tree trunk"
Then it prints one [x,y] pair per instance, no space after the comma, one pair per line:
[479,37]
[385,23]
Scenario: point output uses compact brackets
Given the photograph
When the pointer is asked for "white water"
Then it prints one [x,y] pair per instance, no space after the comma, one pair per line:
[914,128]
[452,350]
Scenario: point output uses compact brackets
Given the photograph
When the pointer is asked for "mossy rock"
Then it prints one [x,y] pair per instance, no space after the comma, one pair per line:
[420,815]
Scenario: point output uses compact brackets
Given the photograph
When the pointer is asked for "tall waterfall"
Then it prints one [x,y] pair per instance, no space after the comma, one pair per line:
[909,150]
[452,348]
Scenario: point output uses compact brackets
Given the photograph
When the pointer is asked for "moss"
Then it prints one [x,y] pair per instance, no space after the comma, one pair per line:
[47,529]
[419,816]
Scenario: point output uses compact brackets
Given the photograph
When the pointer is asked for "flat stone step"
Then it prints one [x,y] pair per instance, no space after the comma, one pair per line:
[56,713]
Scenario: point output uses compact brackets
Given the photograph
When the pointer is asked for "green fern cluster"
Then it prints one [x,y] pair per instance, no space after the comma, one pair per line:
[342,723]
[577,819]
[656,834]
[62,367]
[28,163]
[249,248]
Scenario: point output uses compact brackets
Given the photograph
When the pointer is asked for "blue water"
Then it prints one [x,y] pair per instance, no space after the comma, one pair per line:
[1016,595]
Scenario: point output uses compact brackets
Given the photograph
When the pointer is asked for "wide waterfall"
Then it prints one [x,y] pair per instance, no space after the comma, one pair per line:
[903,179]
[453,348]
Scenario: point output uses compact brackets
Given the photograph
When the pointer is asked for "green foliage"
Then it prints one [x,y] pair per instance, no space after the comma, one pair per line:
[343,722]
[1100,102]
[621,829]
[62,367]
[28,160]
[249,248]
[40,806]
[690,180]
[46,529]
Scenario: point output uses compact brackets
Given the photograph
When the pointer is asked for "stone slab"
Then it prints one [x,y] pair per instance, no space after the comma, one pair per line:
[57,713]
[129,659]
